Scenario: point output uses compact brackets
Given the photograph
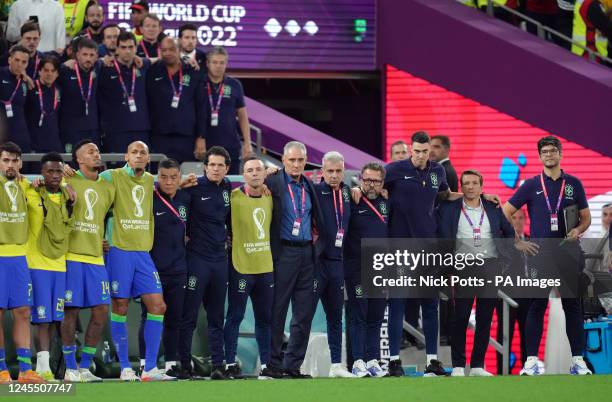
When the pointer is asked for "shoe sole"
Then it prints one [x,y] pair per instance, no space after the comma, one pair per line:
[264,378]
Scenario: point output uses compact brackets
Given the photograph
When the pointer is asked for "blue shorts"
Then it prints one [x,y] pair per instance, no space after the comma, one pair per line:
[132,274]
[15,283]
[86,285]
[49,288]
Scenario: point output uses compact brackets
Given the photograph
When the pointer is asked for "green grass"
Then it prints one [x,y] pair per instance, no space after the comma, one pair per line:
[497,389]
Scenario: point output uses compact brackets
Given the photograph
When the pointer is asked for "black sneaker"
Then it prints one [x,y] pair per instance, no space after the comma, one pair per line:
[435,369]
[233,372]
[296,375]
[270,372]
[218,373]
[395,368]
[173,371]
[184,374]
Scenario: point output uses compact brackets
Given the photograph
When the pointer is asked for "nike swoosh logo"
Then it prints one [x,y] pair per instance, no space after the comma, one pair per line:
[159,213]
[159,78]
[539,192]
[112,77]
[207,198]
[408,177]
[363,211]
[73,78]
[325,192]
[5,82]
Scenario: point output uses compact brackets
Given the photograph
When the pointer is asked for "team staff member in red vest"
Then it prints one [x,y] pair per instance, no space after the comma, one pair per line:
[178,121]
[79,111]
[94,16]
[124,112]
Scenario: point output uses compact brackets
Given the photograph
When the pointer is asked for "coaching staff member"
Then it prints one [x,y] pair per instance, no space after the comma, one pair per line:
[294,219]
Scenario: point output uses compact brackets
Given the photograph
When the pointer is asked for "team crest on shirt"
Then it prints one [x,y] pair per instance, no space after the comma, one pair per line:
[227,91]
[186,80]
[345,194]
[358,291]
[115,286]
[226,198]
[315,283]
[383,207]
[434,179]
[182,212]
[241,285]
[69,296]
[191,283]
[569,190]
[41,311]
[24,89]
[138,74]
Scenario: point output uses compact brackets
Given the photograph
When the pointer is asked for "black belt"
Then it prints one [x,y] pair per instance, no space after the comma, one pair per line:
[292,243]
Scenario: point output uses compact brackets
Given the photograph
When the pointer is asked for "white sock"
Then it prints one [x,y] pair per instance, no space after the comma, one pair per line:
[231,364]
[430,358]
[394,358]
[170,364]
[142,362]
[576,359]
[42,362]
[263,366]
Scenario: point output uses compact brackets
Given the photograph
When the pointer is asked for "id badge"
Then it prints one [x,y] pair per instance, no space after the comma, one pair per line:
[477,238]
[339,238]
[132,104]
[9,109]
[554,223]
[40,121]
[214,119]
[295,231]
[175,102]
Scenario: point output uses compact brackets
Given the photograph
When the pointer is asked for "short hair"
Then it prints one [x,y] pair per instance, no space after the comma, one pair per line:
[86,43]
[399,142]
[443,139]
[92,3]
[608,205]
[152,16]
[420,137]
[219,151]
[78,146]
[49,58]
[294,144]
[51,157]
[186,27]
[10,148]
[108,26]
[169,163]
[549,140]
[374,166]
[332,156]
[29,27]
[472,172]
[217,50]
[18,48]
[125,36]
[251,158]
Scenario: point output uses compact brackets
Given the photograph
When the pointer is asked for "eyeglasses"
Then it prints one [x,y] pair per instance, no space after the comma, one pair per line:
[549,151]
[372,182]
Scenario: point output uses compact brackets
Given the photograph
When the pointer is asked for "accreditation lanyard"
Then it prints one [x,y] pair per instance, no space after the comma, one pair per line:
[80,83]
[295,231]
[176,95]
[369,204]
[554,214]
[36,63]
[144,49]
[339,223]
[214,111]
[170,207]
[42,104]
[129,96]
[8,104]
[475,230]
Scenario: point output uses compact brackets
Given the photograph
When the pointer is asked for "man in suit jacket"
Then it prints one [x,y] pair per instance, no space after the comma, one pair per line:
[475,223]
[440,149]
[296,245]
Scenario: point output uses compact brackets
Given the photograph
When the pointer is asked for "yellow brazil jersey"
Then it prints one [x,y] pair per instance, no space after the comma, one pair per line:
[74,14]
[36,260]
[17,250]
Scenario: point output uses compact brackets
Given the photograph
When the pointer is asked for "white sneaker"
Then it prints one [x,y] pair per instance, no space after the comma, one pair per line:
[87,376]
[72,376]
[359,369]
[337,370]
[375,370]
[127,374]
[155,374]
[532,367]
[479,372]
[458,372]
[580,368]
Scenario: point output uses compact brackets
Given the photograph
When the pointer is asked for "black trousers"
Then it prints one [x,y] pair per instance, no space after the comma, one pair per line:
[293,282]
[517,316]
[462,308]
[173,287]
